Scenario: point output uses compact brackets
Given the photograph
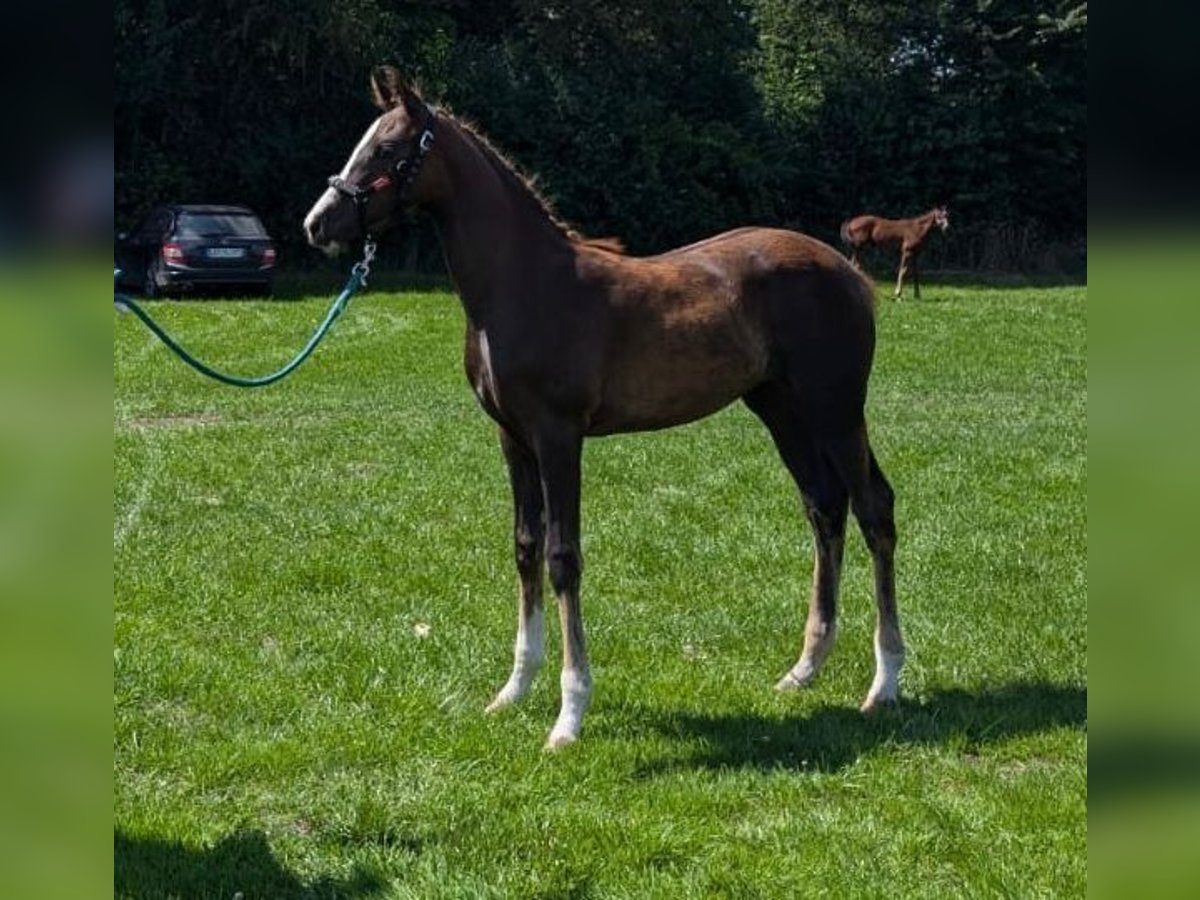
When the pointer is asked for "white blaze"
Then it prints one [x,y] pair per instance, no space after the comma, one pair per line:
[360,147]
[330,196]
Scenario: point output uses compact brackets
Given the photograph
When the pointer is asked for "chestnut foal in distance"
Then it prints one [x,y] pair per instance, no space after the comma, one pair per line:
[910,234]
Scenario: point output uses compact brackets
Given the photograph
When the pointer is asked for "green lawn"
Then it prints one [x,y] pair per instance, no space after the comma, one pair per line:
[284,730]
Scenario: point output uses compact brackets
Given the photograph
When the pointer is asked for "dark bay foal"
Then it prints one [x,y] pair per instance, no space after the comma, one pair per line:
[909,234]
[568,338]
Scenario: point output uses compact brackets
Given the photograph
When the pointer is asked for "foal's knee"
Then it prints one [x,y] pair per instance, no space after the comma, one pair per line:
[565,565]
[826,514]
[528,552]
[880,536]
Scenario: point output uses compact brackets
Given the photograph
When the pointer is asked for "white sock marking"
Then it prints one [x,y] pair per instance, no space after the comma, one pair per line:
[528,653]
[576,694]
[886,685]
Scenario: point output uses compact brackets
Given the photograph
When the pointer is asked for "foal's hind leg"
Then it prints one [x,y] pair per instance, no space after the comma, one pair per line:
[829,528]
[528,537]
[872,500]
[825,503]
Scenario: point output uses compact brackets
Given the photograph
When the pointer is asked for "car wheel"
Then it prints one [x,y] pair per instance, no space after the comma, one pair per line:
[150,287]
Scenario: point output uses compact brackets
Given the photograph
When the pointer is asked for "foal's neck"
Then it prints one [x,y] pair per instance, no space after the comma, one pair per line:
[495,232]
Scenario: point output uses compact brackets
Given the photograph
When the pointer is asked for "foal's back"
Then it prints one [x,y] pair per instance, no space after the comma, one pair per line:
[690,331]
[874,229]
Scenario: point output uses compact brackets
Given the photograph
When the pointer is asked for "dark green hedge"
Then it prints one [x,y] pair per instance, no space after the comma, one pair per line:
[659,122]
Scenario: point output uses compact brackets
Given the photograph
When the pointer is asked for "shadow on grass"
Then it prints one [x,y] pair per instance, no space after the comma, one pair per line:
[149,868]
[832,738]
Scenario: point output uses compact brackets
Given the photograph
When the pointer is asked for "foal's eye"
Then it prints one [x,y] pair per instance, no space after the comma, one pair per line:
[382,150]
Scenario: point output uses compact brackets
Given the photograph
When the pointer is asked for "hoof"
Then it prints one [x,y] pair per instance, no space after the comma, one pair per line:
[559,740]
[800,677]
[879,701]
[790,682]
[502,701]
[514,689]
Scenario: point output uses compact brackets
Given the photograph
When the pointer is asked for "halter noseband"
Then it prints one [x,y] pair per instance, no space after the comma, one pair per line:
[402,175]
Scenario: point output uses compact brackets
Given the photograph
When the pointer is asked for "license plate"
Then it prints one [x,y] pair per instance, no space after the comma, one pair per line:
[226,252]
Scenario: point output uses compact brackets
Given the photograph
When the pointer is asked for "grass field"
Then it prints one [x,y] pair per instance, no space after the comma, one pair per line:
[315,599]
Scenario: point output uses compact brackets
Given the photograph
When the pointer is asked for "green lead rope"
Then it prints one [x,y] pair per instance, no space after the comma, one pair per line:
[358,278]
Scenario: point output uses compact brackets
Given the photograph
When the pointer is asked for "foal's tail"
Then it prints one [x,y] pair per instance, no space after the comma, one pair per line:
[845,232]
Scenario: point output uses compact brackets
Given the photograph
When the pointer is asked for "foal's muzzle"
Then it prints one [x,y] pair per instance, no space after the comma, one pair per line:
[314,232]
[359,196]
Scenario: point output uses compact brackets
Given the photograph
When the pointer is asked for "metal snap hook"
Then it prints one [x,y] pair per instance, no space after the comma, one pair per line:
[362,268]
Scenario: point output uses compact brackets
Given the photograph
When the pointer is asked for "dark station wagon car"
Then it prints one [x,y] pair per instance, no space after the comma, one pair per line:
[187,248]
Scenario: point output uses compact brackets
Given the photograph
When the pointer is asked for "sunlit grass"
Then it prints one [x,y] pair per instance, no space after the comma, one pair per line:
[283,729]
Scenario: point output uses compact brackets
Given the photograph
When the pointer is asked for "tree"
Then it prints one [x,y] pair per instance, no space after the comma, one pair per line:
[643,121]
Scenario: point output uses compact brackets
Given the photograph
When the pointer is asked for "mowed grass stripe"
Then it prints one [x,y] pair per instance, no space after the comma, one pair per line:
[283,729]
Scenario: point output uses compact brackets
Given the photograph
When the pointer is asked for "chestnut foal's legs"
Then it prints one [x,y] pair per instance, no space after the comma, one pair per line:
[528,545]
[559,456]
[545,485]
[826,470]
[905,260]
[825,504]
[872,500]
[820,628]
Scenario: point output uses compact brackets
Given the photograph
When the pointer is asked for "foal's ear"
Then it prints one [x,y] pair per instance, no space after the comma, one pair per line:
[390,90]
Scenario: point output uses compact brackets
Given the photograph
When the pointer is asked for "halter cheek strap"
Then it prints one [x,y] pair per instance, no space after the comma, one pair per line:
[402,175]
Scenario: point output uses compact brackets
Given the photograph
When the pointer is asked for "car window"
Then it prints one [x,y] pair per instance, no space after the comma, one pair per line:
[202,225]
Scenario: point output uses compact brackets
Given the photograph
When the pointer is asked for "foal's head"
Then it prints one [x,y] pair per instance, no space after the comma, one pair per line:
[941,218]
[385,173]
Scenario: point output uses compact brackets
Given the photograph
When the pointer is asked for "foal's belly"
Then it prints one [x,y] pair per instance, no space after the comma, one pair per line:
[616,416]
[669,376]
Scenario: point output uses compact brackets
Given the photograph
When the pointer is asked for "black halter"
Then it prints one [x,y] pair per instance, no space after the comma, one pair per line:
[401,177]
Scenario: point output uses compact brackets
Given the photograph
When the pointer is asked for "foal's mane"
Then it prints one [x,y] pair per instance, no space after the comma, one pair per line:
[526,185]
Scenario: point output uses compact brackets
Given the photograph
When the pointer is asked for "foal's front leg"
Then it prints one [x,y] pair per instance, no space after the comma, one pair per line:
[559,464]
[904,260]
[528,539]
